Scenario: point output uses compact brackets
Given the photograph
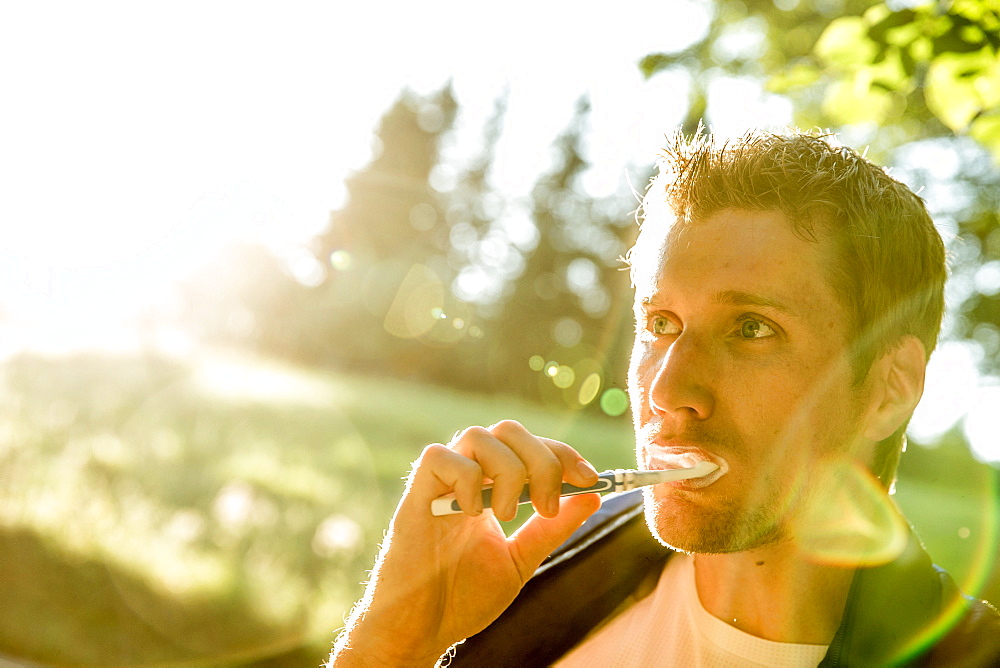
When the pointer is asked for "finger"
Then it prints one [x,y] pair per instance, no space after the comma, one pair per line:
[440,470]
[576,470]
[536,539]
[500,464]
[544,469]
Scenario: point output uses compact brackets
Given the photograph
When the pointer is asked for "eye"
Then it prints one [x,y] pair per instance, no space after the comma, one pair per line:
[663,326]
[752,328]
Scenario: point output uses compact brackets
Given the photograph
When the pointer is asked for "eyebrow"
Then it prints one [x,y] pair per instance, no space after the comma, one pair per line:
[735,298]
[740,298]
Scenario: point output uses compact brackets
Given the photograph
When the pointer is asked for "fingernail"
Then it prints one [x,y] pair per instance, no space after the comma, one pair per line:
[586,470]
[511,510]
[553,505]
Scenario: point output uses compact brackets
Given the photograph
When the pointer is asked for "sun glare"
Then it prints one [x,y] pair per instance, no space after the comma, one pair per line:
[114,198]
[237,378]
[954,391]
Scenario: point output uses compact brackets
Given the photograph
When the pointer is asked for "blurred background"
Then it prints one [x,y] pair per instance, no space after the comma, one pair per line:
[253,259]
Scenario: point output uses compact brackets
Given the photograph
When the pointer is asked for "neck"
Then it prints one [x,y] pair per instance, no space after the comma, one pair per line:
[774,593]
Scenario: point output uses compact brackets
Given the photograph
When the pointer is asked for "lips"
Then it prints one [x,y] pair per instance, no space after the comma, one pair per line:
[683,456]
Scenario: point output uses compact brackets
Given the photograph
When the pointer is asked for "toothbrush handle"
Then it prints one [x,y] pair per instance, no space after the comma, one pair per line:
[447,505]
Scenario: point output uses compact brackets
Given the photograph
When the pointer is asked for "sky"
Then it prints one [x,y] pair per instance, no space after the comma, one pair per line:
[144,137]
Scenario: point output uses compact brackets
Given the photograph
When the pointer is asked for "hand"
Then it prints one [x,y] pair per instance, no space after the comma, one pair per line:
[438,580]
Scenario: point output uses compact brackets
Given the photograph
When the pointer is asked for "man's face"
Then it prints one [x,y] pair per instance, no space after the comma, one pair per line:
[739,359]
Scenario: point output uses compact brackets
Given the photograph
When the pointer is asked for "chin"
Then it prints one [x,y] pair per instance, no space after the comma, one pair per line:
[692,529]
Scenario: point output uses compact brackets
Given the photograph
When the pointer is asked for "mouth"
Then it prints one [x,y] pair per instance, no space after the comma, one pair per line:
[675,457]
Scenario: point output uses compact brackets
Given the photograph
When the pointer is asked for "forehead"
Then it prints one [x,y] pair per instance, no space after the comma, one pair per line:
[755,252]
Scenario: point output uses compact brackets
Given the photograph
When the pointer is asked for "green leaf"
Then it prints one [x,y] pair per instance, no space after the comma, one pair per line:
[948,98]
[891,73]
[876,14]
[845,44]
[980,11]
[907,62]
[986,131]
[877,32]
[798,76]
[956,40]
[905,35]
[961,86]
[854,99]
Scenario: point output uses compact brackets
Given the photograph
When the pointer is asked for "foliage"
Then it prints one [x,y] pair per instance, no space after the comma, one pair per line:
[567,316]
[942,58]
[867,63]
[750,40]
[382,258]
[429,273]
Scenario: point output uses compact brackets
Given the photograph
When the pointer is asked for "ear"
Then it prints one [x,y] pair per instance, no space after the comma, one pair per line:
[897,382]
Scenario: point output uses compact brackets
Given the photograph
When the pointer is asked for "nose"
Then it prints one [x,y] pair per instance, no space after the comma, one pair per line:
[680,380]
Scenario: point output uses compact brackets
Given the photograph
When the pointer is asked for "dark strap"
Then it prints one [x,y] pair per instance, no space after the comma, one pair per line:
[910,613]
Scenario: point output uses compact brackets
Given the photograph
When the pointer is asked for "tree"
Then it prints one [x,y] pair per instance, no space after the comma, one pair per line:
[935,61]
[382,275]
[746,39]
[561,329]
[384,252]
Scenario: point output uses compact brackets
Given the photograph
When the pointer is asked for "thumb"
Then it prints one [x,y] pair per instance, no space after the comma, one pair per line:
[536,539]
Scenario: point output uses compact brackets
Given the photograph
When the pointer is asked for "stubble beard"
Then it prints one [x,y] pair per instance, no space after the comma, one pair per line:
[735,526]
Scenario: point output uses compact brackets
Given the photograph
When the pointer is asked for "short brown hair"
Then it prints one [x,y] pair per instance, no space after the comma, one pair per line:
[889,268]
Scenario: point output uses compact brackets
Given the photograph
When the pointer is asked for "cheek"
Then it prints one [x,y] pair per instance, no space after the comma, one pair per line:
[800,409]
[641,373]
[637,362]
[766,400]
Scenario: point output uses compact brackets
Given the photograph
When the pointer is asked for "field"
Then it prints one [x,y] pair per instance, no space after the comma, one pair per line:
[223,510]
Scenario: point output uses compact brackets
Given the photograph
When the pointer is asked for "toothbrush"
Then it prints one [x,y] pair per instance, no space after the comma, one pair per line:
[619,480]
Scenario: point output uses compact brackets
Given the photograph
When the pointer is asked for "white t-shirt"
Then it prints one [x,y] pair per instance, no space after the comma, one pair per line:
[671,628]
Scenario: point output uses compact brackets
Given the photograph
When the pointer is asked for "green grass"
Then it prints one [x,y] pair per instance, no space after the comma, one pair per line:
[953,503]
[226,507]
[224,510]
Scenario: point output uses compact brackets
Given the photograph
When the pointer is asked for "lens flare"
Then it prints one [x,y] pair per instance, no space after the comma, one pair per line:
[614,402]
[850,521]
[564,377]
[341,260]
[417,304]
[589,388]
[984,485]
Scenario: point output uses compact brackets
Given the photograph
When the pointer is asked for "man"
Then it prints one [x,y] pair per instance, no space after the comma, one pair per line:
[788,295]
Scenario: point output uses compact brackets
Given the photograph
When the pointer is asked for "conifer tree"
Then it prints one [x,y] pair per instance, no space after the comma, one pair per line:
[385,250]
[561,324]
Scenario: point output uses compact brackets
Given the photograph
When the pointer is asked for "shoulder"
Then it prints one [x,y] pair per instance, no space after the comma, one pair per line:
[910,610]
[974,640]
